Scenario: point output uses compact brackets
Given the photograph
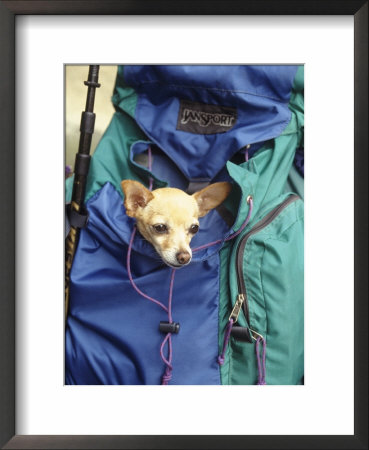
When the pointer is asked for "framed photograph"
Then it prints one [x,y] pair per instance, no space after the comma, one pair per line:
[42,405]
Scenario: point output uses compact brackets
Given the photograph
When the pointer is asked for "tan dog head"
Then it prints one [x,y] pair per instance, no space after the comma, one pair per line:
[168,217]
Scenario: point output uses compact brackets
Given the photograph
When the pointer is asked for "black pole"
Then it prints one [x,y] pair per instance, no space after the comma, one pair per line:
[77,214]
[83,157]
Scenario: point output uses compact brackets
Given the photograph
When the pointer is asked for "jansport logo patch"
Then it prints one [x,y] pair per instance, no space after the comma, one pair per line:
[200,118]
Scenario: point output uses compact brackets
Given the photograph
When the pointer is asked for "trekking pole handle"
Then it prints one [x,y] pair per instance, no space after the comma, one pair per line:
[82,161]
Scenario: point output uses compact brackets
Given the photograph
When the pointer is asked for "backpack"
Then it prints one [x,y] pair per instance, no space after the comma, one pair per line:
[235,315]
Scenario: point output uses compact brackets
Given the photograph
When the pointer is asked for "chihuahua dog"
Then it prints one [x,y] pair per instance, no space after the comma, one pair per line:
[168,217]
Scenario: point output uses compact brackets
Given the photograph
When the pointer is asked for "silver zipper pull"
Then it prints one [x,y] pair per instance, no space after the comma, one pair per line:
[237,308]
[255,335]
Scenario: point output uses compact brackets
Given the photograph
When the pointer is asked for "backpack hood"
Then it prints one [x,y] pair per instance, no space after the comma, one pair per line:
[200,116]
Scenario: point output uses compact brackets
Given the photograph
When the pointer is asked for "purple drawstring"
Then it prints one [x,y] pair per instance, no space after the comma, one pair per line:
[227,335]
[131,278]
[261,363]
[261,366]
[251,204]
[168,338]
[168,371]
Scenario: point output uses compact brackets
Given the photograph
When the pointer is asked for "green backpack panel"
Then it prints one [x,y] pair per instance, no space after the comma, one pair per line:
[266,265]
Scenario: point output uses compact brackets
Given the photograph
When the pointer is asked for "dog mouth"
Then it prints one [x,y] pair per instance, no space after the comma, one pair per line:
[171,262]
[176,266]
[173,266]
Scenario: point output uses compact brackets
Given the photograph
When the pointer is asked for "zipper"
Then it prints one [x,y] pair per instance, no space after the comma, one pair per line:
[237,308]
[241,247]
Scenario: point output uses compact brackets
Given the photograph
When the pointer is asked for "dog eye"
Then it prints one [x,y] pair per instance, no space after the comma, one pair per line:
[194,229]
[160,228]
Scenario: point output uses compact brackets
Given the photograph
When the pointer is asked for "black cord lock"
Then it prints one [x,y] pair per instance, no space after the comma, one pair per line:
[169,327]
[241,334]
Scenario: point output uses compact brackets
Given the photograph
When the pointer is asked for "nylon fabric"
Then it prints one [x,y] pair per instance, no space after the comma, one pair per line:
[269,268]
[112,334]
[260,94]
[273,275]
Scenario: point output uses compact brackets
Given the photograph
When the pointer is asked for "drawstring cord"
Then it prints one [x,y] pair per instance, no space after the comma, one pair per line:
[251,204]
[261,362]
[168,338]
[168,371]
[131,278]
[227,335]
[261,365]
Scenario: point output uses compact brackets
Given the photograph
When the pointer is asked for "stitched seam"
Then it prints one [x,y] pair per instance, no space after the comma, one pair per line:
[249,296]
[281,216]
[298,219]
[265,304]
[262,288]
[251,313]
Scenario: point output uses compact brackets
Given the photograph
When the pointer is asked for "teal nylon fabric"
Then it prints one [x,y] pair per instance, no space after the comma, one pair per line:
[273,272]
[273,262]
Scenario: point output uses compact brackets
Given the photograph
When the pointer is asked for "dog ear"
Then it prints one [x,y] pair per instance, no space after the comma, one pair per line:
[135,196]
[212,196]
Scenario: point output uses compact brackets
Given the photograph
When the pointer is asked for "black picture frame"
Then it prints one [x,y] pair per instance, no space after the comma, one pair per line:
[8,10]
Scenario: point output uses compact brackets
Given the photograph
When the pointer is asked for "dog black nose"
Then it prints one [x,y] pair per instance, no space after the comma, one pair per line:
[183,257]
